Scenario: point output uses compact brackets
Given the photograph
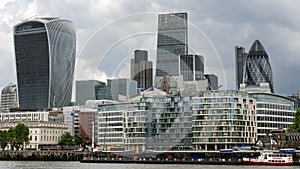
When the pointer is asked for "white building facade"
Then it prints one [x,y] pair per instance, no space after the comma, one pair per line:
[41,130]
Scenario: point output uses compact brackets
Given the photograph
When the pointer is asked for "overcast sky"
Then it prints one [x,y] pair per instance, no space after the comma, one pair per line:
[108,31]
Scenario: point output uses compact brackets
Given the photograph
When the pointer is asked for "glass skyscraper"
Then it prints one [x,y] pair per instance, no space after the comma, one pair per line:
[240,59]
[45,50]
[257,66]
[89,90]
[192,67]
[141,69]
[172,41]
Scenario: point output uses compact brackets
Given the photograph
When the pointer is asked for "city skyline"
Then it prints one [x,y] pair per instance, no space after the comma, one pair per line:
[219,26]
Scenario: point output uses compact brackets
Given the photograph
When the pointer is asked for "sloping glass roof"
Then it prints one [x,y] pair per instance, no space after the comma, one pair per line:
[257,46]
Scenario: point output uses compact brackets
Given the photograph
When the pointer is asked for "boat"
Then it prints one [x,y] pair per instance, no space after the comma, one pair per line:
[270,158]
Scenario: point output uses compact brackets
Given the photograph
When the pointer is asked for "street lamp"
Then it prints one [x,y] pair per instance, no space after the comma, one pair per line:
[93,135]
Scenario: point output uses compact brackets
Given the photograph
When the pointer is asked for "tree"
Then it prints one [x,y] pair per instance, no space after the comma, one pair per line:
[18,136]
[78,139]
[22,131]
[296,124]
[12,138]
[4,139]
[66,139]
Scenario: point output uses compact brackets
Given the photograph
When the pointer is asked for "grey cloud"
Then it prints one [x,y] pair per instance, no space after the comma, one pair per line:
[109,31]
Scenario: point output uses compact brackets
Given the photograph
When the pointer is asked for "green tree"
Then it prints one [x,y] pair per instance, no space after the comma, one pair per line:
[12,138]
[66,139]
[78,139]
[296,124]
[18,136]
[4,139]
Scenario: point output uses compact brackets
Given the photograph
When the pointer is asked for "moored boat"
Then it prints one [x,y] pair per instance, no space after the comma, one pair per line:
[270,158]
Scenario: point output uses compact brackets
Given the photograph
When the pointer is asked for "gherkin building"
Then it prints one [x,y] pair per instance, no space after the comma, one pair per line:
[257,67]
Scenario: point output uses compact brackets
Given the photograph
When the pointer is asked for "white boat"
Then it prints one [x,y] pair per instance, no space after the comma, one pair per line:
[270,158]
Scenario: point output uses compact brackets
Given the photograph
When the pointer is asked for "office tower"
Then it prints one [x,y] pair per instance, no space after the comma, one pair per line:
[257,67]
[9,98]
[240,59]
[141,69]
[212,81]
[273,111]
[45,50]
[89,90]
[121,89]
[172,41]
[191,67]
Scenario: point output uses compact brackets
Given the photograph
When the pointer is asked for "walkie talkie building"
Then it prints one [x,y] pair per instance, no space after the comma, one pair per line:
[45,50]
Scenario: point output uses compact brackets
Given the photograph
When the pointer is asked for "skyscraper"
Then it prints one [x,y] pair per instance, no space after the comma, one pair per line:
[89,90]
[45,50]
[121,89]
[9,98]
[192,67]
[257,67]
[172,41]
[240,59]
[141,69]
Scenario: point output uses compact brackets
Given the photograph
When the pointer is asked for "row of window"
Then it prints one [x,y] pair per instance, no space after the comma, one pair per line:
[48,131]
[45,138]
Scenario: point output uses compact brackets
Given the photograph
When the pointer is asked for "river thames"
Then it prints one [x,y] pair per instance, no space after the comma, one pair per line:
[78,165]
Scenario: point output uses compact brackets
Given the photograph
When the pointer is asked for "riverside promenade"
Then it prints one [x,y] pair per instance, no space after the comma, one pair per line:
[170,157]
[45,155]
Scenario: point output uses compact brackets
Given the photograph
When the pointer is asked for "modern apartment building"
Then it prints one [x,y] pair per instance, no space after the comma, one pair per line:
[156,122]
[45,51]
[110,126]
[136,126]
[169,121]
[223,119]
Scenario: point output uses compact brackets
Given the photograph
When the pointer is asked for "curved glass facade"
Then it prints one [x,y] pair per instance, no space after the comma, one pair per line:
[257,67]
[273,111]
[223,119]
[45,50]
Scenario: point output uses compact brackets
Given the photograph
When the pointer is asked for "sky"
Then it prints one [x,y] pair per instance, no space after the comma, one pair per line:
[108,32]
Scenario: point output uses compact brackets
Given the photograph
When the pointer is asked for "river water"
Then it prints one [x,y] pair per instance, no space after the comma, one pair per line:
[78,165]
